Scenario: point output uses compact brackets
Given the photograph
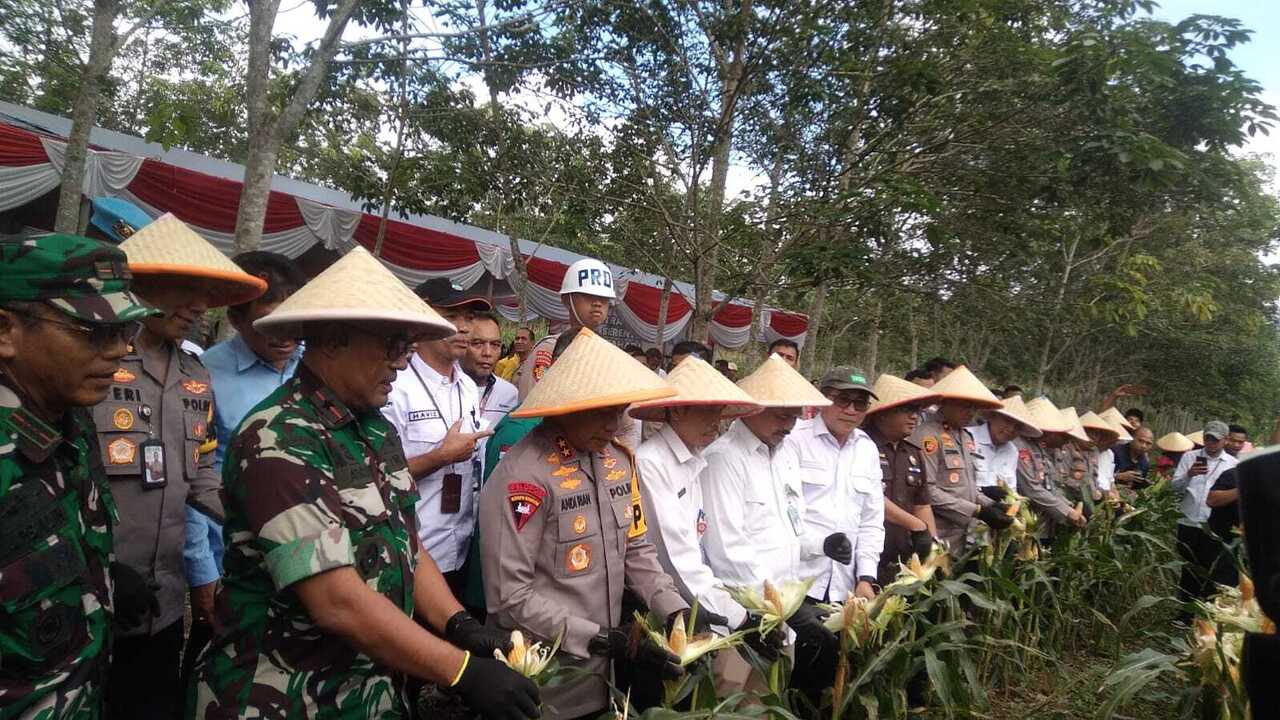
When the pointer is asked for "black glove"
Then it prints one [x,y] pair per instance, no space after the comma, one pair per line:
[616,644]
[994,516]
[768,645]
[807,622]
[995,492]
[838,548]
[701,624]
[922,543]
[133,596]
[496,692]
[467,633]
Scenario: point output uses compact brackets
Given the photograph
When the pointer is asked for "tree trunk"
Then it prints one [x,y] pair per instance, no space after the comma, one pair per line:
[1050,331]
[663,303]
[402,119]
[268,131]
[873,338]
[816,306]
[101,53]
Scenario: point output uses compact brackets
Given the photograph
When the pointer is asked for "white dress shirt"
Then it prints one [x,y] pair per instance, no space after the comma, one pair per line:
[497,398]
[999,463]
[1106,470]
[673,505]
[422,406]
[1195,490]
[755,510]
[842,493]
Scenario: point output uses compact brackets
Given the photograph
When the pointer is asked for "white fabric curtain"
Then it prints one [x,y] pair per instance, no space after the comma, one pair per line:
[291,243]
[21,184]
[333,227]
[105,172]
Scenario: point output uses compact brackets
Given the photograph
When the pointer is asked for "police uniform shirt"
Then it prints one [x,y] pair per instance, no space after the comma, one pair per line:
[1000,462]
[562,532]
[842,493]
[755,510]
[952,461]
[422,406]
[177,410]
[1038,482]
[677,521]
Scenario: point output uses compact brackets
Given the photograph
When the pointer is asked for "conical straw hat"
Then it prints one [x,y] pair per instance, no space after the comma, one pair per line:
[960,384]
[1047,416]
[777,384]
[697,383]
[592,373]
[168,248]
[1123,434]
[1115,417]
[1090,420]
[892,391]
[1197,437]
[358,289]
[1072,420]
[1016,410]
[1175,442]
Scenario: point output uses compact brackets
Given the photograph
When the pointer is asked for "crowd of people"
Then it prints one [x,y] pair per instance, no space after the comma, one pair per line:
[358,495]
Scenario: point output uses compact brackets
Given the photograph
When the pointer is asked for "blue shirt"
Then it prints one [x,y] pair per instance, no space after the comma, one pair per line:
[240,380]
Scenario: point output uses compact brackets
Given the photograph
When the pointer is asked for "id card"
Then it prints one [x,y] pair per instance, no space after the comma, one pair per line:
[451,493]
[153,470]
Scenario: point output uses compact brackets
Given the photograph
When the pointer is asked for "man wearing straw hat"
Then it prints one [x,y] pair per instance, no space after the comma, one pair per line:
[755,506]
[563,529]
[952,459]
[1038,472]
[670,463]
[1104,434]
[158,439]
[66,320]
[325,570]
[995,439]
[908,517]
[1075,469]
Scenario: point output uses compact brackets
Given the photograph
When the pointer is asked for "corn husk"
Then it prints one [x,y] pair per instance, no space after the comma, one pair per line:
[688,649]
[528,660]
[775,604]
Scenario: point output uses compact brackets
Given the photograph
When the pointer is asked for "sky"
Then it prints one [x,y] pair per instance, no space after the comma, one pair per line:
[1259,58]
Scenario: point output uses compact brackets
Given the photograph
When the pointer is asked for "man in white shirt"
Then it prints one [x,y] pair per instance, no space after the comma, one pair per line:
[994,439]
[754,501]
[841,479]
[435,408]
[497,396]
[1194,477]
[669,464]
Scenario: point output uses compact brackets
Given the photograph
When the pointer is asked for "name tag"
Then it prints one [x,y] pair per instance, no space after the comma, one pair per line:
[416,415]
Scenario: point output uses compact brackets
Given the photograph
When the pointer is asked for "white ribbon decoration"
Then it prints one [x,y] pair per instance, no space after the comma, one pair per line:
[334,227]
[105,172]
[20,184]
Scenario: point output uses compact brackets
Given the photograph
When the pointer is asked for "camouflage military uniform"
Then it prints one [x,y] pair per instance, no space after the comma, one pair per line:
[311,486]
[56,516]
[56,511]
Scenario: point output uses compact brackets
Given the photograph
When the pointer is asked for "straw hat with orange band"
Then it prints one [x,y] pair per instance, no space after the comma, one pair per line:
[1099,430]
[169,252]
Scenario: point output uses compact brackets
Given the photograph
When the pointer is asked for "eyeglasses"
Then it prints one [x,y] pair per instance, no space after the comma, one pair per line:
[909,409]
[401,344]
[859,402]
[100,335]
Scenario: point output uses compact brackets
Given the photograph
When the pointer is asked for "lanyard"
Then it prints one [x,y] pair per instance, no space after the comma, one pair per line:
[434,404]
[488,388]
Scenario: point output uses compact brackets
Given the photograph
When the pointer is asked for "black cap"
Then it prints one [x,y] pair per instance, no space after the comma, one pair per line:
[444,293]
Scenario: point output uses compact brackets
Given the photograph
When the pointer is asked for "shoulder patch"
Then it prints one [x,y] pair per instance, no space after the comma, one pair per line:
[524,499]
[930,445]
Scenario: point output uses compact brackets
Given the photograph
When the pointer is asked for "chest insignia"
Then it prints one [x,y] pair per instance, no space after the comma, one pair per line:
[616,475]
[122,451]
[195,387]
[609,462]
[524,499]
[702,523]
[563,471]
[578,558]
[580,524]
[953,478]
[570,483]
[123,376]
[122,419]
[553,459]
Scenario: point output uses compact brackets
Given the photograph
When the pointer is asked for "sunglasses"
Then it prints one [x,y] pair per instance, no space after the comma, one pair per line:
[100,335]
[859,402]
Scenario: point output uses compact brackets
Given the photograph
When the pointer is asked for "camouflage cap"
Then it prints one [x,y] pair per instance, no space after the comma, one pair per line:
[83,278]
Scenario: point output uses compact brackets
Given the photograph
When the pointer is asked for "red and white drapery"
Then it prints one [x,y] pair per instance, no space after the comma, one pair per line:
[31,165]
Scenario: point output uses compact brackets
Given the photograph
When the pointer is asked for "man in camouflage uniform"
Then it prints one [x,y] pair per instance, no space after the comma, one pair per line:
[324,570]
[63,297]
